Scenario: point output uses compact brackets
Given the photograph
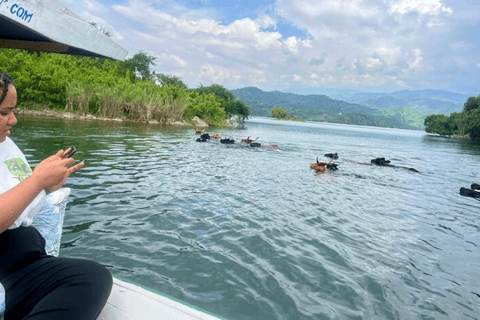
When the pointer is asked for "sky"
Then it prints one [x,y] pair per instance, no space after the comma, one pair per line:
[367,45]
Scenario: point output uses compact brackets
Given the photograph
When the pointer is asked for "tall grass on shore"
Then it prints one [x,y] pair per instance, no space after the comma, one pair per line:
[143,101]
[139,101]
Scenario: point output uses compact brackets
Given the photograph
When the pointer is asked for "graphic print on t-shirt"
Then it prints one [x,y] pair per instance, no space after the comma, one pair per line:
[18,168]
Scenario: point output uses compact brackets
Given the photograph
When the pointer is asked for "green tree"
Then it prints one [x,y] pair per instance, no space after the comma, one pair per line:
[439,124]
[231,105]
[166,79]
[278,113]
[460,121]
[207,107]
[472,103]
[138,65]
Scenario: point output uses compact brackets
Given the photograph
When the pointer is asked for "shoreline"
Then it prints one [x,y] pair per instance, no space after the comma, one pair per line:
[49,113]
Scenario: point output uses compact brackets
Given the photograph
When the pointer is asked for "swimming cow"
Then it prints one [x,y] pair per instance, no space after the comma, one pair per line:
[381,162]
[332,155]
[248,140]
[227,141]
[386,163]
[473,192]
[203,138]
[323,166]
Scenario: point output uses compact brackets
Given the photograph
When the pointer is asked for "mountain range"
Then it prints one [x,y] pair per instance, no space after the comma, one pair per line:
[401,109]
[424,101]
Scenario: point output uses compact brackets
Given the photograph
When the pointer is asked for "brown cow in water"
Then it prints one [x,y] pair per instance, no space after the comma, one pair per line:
[248,140]
[215,136]
[323,166]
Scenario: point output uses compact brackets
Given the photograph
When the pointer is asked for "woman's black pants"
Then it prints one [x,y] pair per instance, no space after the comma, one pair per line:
[40,287]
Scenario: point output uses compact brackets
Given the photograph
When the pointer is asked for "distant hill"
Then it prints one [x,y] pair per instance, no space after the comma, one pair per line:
[425,102]
[316,107]
[261,102]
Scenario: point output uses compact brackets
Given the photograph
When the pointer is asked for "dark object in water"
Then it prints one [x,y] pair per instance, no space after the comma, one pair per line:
[380,162]
[248,140]
[469,193]
[332,155]
[227,141]
[255,144]
[386,163]
[201,140]
[332,166]
[473,192]
[323,166]
[205,136]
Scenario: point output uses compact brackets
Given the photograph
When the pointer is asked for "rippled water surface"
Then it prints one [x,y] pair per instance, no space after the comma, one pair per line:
[254,233]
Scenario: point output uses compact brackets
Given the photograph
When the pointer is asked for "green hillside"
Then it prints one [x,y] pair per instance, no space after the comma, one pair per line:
[324,109]
[299,105]
[409,116]
[423,101]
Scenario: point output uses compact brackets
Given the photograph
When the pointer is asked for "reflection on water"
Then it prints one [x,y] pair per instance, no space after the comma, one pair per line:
[253,233]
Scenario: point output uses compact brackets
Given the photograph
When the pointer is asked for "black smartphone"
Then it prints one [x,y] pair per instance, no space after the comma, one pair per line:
[71,152]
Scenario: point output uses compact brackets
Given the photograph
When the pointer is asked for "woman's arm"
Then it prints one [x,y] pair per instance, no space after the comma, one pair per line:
[49,173]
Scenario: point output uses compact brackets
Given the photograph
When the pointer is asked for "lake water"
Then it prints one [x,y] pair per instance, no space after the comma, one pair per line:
[254,233]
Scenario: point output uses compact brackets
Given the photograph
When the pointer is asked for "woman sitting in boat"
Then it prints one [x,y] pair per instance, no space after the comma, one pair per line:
[39,286]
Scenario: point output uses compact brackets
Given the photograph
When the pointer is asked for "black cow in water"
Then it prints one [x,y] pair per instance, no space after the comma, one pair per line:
[227,141]
[203,138]
[473,192]
[386,163]
[332,155]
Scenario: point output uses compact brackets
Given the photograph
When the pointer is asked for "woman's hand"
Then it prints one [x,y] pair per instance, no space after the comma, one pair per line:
[52,172]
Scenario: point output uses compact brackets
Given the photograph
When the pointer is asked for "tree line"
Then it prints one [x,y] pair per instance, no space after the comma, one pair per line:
[464,124]
[115,89]
[281,113]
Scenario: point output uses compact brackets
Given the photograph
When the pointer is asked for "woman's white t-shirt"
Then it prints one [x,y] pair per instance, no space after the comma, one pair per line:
[14,168]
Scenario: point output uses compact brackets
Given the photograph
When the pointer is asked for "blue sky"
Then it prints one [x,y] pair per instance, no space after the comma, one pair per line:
[371,45]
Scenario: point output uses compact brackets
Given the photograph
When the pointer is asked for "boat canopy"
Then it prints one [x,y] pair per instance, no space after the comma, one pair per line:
[47,25]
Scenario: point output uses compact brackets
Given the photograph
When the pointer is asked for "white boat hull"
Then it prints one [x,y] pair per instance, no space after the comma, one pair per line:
[131,302]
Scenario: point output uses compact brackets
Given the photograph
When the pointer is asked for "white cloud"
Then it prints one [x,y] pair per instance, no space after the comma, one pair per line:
[246,30]
[213,73]
[210,56]
[266,21]
[315,8]
[417,59]
[291,44]
[296,78]
[423,7]
[306,43]
[168,58]
[257,76]
[225,43]
[318,61]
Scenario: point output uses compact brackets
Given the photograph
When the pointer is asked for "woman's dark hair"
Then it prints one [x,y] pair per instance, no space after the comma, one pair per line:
[5,81]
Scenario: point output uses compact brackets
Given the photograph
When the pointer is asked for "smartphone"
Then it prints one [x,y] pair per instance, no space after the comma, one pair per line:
[71,152]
